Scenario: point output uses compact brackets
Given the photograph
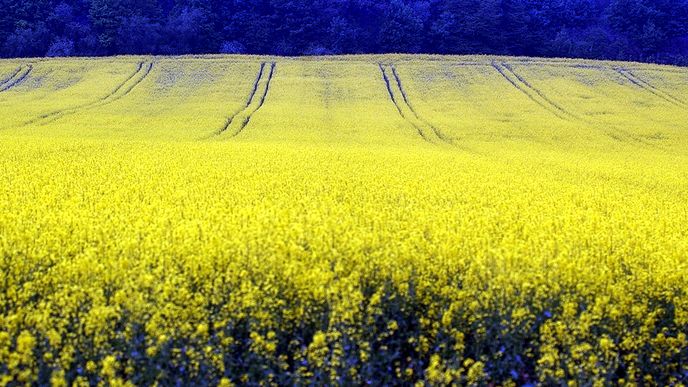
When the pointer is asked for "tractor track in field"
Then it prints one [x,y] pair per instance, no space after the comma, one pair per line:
[9,78]
[402,103]
[247,110]
[396,104]
[119,92]
[146,73]
[262,99]
[535,95]
[434,129]
[251,95]
[16,79]
[650,88]
[391,94]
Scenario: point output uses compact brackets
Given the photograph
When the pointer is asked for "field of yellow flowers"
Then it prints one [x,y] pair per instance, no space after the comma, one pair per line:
[381,220]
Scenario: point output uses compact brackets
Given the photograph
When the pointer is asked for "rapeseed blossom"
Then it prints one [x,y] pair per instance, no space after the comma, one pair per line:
[329,243]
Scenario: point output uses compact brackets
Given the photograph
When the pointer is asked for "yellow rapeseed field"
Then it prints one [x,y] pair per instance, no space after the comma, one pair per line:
[231,220]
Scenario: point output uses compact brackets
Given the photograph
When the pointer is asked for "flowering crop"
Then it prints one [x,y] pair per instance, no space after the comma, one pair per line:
[329,243]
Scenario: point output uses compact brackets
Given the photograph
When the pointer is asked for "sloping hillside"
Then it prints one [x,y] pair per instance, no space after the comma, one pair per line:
[458,101]
[343,221]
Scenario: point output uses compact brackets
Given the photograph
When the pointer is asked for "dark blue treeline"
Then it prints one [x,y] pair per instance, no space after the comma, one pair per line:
[644,30]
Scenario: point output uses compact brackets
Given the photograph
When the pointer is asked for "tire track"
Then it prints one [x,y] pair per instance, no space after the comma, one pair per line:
[389,90]
[256,83]
[263,98]
[520,88]
[251,95]
[121,85]
[537,96]
[385,77]
[545,102]
[239,121]
[12,82]
[146,73]
[120,91]
[538,92]
[434,129]
[533,93]
[647,86]
[8,79]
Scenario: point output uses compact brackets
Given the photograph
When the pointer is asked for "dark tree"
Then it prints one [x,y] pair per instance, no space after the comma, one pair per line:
[402,26]
[466,26]
[649,30]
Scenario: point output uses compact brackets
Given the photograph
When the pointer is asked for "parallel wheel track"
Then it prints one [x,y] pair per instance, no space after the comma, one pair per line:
[17,78]
[535,95]
[239,120]
[434,129]
[143,69]
[10,77]
[426,131]
[650,88]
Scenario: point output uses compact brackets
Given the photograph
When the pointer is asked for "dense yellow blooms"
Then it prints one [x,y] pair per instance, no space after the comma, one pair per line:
[327,242]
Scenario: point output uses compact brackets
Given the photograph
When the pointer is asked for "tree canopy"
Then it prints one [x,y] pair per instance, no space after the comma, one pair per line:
[644,30]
